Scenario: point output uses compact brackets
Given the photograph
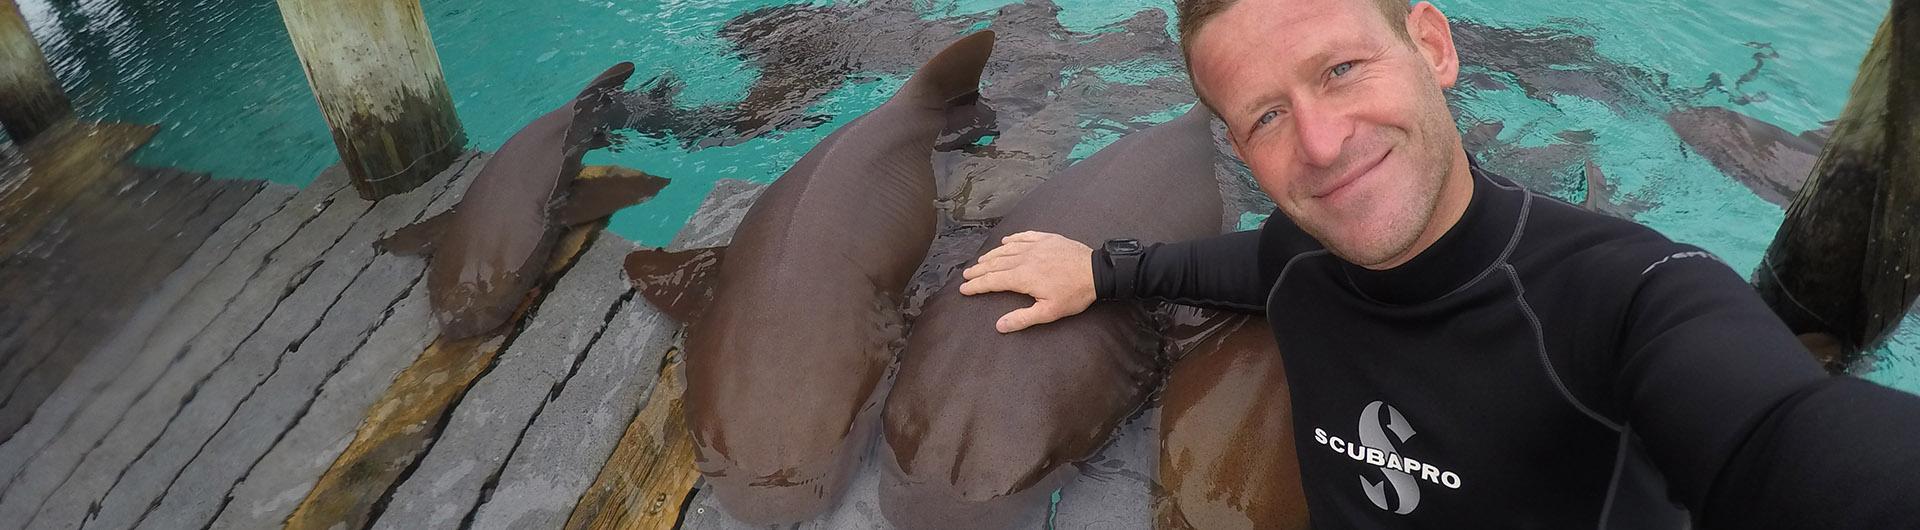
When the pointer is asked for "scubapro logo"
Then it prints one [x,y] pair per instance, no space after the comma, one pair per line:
[1381,426]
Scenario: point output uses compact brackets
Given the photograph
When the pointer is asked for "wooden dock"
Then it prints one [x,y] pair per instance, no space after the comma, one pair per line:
[263,365]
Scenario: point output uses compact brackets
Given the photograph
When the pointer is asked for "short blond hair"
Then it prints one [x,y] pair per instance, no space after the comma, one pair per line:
[1195,13]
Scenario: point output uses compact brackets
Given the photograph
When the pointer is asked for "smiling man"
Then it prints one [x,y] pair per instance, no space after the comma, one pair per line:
[1463,353]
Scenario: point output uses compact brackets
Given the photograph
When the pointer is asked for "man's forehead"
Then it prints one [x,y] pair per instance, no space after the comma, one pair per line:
[1291,32]
[1294,12]
[1291,27]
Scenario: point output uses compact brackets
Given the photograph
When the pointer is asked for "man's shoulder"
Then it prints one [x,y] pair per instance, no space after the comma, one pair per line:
[1562,238]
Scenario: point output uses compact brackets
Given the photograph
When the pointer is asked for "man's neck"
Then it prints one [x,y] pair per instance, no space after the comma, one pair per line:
[1455,193]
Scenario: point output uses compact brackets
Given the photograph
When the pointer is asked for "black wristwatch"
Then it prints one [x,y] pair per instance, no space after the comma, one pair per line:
[1123,255]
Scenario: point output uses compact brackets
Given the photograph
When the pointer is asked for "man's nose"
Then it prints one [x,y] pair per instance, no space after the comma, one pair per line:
[1324,130]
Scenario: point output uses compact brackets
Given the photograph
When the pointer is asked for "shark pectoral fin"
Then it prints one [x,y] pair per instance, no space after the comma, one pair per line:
[415,239]
[679,284]
[601,190]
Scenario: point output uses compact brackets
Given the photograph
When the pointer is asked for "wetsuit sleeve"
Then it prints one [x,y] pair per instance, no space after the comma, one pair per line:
[1749,430]
[1220,272]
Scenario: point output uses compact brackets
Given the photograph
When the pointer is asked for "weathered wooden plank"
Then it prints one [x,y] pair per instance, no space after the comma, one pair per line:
[287,473]
[65,161]
[118,263]
[177,358]
[858,508]
[40,265]
[89,380]
[115,186]
[196,392]
[569,442]
[53,261]
[87,405]
[489,421]
[275,485]
[1114,489]
[713,224]
[404,422]
[275,369]
[647,479]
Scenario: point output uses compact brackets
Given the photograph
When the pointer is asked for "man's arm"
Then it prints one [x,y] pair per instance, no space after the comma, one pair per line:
[1065,276]
[1748,429]
[1220,272]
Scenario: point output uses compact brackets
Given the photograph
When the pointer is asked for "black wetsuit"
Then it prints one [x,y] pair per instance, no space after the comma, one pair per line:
[1541,366]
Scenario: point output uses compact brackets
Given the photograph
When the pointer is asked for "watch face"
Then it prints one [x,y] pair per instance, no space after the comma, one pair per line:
[1123,246]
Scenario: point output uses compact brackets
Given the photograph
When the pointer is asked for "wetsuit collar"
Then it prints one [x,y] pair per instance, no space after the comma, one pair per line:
[1477,242]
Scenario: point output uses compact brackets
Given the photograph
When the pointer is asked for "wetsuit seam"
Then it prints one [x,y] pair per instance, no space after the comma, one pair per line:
[1613,485]
[1282,278]
[1513,242]
[1540,345]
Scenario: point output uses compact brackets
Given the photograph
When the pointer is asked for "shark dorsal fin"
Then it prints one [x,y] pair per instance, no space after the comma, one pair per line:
[952,77]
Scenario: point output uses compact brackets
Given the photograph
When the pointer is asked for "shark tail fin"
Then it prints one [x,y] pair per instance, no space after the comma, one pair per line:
[602,89]
[599,109]
[953,77]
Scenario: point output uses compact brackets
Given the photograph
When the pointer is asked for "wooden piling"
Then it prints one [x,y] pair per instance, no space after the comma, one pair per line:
[1841,270]
[30,97]
[376,75]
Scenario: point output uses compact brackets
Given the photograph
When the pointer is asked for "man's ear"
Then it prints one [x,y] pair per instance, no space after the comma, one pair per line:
[1434,38]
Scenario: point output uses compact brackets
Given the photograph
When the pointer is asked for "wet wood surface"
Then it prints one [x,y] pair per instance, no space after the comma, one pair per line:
[281,371]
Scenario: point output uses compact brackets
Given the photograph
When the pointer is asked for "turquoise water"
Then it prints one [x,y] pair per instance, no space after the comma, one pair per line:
[223,80]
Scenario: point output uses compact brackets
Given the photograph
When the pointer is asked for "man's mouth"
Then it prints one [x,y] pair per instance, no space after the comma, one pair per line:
[1353,175]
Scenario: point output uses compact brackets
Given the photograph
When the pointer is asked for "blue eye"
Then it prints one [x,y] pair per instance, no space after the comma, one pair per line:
[1269,117]
[1342,68]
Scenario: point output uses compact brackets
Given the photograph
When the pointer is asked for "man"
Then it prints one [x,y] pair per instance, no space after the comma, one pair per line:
[1463,353]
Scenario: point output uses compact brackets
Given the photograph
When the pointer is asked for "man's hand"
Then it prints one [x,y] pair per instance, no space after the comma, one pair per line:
[1057,272]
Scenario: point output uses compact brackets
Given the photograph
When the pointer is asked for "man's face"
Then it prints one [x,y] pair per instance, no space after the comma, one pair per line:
[1339,116]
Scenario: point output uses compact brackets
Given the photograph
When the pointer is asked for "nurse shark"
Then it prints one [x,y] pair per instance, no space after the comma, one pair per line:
[980,425]
[783,363]
[492,247]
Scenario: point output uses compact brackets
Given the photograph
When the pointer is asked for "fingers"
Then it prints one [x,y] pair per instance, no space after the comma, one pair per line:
[1040,312]
[999,258]
[1013,248]
[1030,236]
[990,283]
[993,261]
[988,267]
